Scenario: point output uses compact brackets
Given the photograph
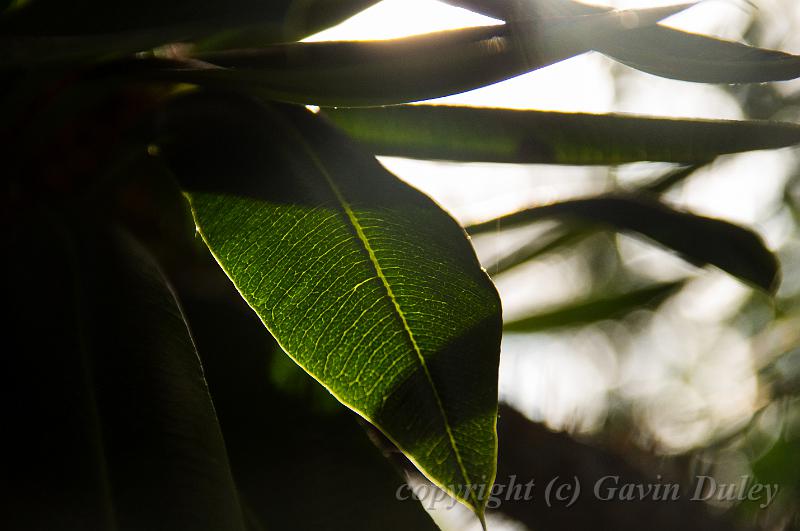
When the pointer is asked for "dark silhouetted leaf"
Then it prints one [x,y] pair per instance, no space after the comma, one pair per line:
[688,57]
[698,239]
[112,425]
[504,135]
[559,455]
[571,233]
[670,179]
[596,309]
[52,31]
[659,50]
[280,442]
[409,69]
[364,282]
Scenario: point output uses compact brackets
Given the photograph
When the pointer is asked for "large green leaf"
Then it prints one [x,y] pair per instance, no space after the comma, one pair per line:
[659,50]
[51,31]
[364,281]
[504,135]
[110,424]
[403,70]
[699,239]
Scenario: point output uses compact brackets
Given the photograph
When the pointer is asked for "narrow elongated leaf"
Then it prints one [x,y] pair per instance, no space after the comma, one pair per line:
[504,135]
[686,56]
[669,180]
[409,69]
[553,240]
[593,310]
[52,31]
[569,234]
[364,281]
[659,50]
[698,239]
[113,426]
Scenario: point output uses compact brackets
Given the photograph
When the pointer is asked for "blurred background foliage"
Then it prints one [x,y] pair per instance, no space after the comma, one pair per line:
[681,371]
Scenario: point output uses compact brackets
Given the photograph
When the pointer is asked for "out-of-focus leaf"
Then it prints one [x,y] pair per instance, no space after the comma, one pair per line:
[659,50]
[52,31]
[409,69]
[110,424]
[556,238]
[783,374]
[779,465]
[364,282]
[595,309]
[569,234]
[698,239]
[559,455]
[685,56]
[671,178]
[505,135]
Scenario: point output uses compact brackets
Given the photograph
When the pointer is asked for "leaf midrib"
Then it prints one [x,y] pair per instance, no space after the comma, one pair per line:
[356,225]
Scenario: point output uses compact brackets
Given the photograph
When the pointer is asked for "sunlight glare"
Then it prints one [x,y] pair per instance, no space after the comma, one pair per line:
[392,19]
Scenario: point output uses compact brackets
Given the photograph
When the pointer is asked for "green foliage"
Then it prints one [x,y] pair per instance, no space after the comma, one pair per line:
[120,121]
[500,135]
[594,309]
[660,50]
[397,316]
[699,239]
[369,73]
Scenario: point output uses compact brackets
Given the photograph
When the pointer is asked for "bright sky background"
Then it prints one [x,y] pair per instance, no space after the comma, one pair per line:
[564,378]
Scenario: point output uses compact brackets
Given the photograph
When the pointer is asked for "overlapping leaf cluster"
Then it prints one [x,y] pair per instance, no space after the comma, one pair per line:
[363,281]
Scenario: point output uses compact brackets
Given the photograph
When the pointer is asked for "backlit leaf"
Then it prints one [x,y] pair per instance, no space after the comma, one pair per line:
[364,282]
[364,73]
[660,50]
[505,135]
